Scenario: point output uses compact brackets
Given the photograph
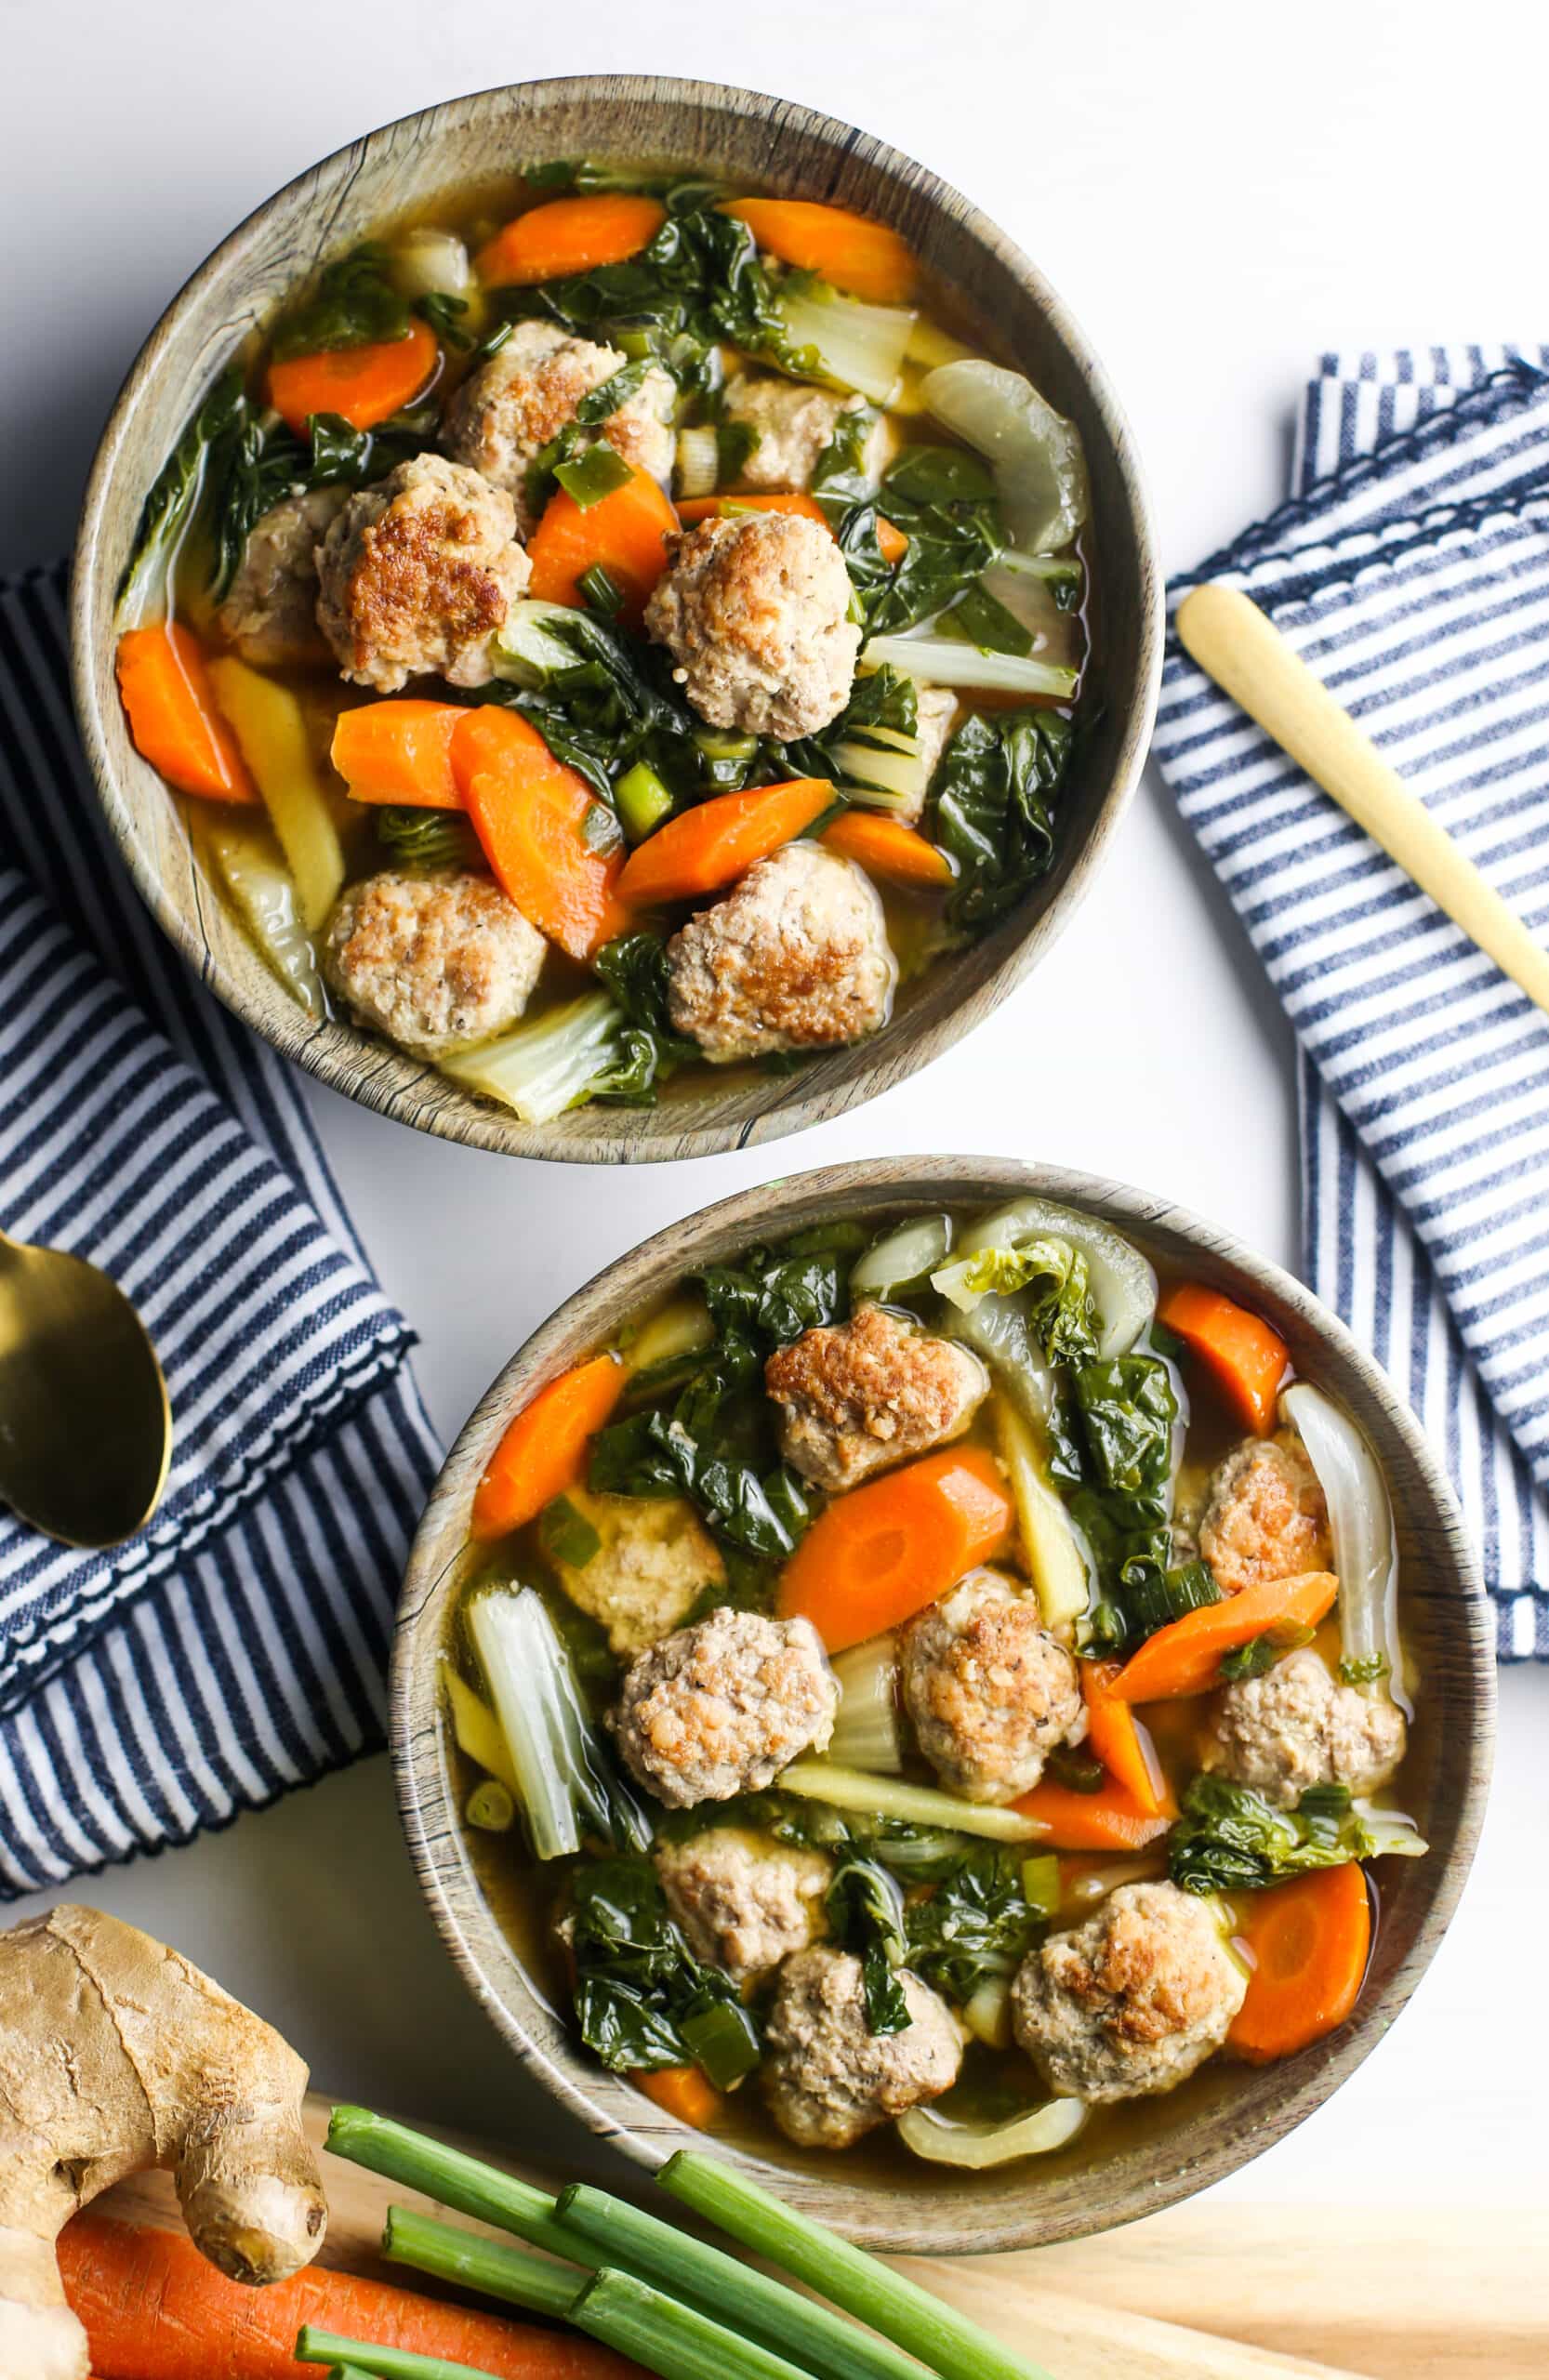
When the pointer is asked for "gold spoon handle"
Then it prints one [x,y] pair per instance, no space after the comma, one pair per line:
[1249,659]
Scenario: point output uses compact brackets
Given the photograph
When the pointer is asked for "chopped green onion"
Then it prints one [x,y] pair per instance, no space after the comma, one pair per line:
[455,2179]
[513,2274]
[382,2363]
[643,801]
[827,2345]
[945,2341]
[491,1808]
[720,744]
[723,2042]
[566,1535]
[600,471]
[1040,1884]
[601,590]
[676,2341]
[889,1797]
[698,461]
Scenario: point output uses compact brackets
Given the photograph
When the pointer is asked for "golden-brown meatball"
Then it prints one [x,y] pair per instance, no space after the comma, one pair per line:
[1129,2003]
[792,423]
[795,958]
[1267,1517]
[988,1691]
[755,610]
[869,1393]
[270,614]
[723,1707]
[416,577]
[1295,1728]
[744,1902]
[827,2077]
[434,961]
[654,1559]
[509,409]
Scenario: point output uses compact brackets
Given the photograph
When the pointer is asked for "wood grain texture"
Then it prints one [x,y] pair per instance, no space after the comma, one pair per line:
[1238,2292]
[1446,1621]
[741,135]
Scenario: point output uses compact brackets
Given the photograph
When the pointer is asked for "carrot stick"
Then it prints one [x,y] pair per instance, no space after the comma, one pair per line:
[569,235]
[1310,1941]
[683,2091]
[848,250]
[1118,1740]
[876,1556]
[888,849]
[544,1449]
[365,384]
[174,719]
[399,751]
[726,508]
[555,849]
[707,847]
[1184,1657]
[627,532]
[1110,1820]
[153,2310]
[1248,1359]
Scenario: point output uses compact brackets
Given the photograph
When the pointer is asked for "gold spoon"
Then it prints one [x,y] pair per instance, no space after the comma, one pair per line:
[85,1425]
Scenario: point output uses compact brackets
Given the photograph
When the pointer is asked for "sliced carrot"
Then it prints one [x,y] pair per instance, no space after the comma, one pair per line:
[567,235]
[695,508]
[1110,1820]
[1248,1359]
[555,849]
[850,250]
[365,384]
[1117,1739]
[1184,1657]
[1310,1941]
[627,532]
[892,540]
[400,752]
[543,1451]
[712,845]
[683,2091]
[876,1556]
[174,720]
[886,848]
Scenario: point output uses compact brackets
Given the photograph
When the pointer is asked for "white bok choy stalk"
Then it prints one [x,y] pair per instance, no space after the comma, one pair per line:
[1041,474]
[998,1329]
[1000,1254]
[564,1776]
[903,1258]
[859,346]
[545,1067]
[948,661]
[271,727]
[976,2146]
[867,1731]
[249,864]
[1055,1555]
[1360,1522]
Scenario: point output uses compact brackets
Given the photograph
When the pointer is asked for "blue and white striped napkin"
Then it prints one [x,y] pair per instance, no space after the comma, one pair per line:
[1410,570]
[235,1649]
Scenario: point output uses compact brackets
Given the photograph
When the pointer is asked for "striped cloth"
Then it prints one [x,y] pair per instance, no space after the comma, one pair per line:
[1410,570]
[235,1647]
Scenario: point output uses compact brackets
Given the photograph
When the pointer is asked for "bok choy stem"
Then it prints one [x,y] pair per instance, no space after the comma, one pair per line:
[565,1777]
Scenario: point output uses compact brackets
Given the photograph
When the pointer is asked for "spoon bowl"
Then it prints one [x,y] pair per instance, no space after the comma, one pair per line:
[85,1425]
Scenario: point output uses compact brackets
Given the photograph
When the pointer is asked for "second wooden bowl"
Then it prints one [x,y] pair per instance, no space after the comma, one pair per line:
[736,136]
[1171,2152]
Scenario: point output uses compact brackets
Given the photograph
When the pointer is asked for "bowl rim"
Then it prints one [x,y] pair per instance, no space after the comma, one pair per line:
[351,1061]
[606,2105]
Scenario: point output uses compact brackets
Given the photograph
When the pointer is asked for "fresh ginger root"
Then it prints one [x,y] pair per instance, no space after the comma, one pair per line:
[116,2054]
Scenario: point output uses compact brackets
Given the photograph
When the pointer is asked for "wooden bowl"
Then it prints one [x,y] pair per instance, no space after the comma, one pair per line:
[399,171]
[1167,2155]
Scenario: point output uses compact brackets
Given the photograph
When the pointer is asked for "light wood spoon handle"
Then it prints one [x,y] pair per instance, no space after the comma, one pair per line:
[1249,659]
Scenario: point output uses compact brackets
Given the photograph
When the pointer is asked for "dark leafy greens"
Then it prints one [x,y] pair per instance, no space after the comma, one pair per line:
[426,838]
[990,809]
[637,1983]
[1230,1839]
[865,1911]
[975,1925]
[356,303]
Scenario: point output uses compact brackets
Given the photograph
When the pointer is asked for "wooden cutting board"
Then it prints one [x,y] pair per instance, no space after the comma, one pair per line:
[1222,2290]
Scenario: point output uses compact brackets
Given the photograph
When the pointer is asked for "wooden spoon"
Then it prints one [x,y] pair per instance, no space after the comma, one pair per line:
[86,1427]
[1249,659]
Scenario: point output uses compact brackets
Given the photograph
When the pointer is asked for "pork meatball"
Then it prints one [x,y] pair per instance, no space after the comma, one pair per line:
[869,1393]
[270,614]
[988,1691]
[1266,1517]
[434,961]
[723,1707]
[654,1559]
[795,958]
[744,1903]
[828,2078]
[509,410]
[792,422]
[1295,1727]
[416,575]
[1129,2003]
[755,611]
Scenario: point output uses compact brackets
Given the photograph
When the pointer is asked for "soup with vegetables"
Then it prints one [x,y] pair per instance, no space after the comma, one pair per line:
[613,629]
[932,1681]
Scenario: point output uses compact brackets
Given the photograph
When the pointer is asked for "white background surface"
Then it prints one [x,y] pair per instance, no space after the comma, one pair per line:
[1220,191]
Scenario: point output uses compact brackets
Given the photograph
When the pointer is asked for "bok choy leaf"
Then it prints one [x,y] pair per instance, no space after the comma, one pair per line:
[1230,1839]
[566,1779]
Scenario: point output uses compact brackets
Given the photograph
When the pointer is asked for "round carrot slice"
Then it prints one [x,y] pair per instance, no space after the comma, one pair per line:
[1310,1941]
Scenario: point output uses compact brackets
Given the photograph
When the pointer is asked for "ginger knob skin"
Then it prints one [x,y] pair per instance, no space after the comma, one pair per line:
[116,2054]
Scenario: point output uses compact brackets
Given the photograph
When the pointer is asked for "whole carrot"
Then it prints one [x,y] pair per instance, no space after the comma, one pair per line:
[153,2310]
